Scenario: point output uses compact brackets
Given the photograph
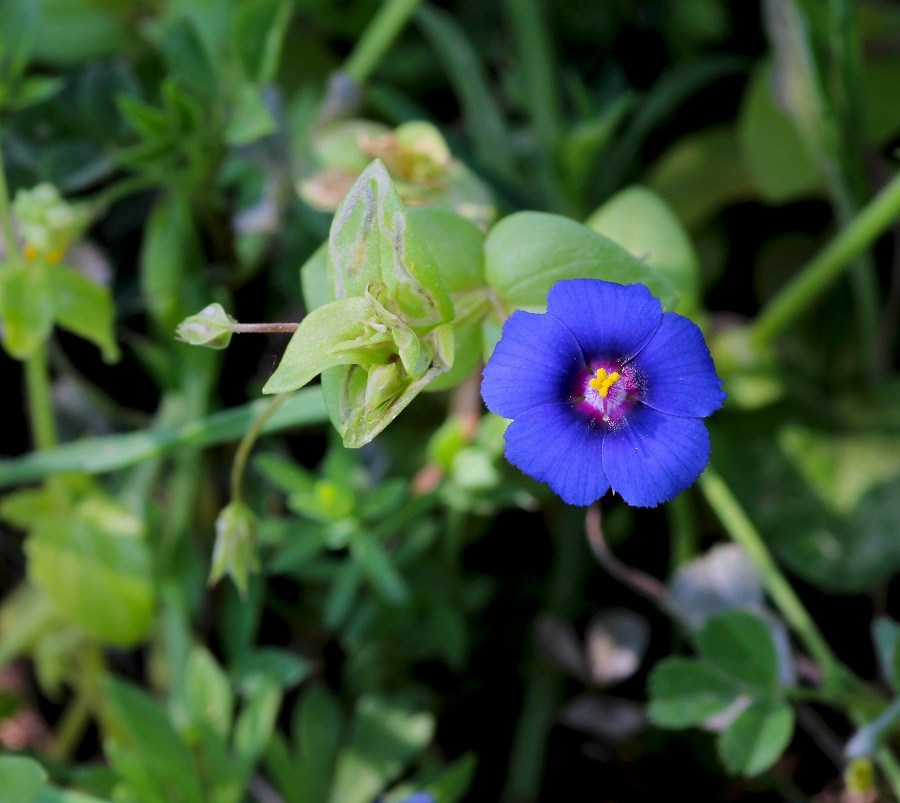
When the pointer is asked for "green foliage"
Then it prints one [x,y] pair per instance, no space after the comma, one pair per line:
[527,253]
[737,667]
[22,779]
[389,564]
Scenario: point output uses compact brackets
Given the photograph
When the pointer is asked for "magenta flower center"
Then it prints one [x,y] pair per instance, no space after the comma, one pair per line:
[606,392]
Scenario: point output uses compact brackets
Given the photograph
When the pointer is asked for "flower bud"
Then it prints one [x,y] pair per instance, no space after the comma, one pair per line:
[210,327]
[235,550]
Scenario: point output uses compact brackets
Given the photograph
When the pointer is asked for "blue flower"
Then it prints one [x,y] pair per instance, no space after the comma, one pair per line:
[605,391]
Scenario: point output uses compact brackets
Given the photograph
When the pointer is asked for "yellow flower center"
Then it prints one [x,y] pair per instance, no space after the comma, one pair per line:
[604,381]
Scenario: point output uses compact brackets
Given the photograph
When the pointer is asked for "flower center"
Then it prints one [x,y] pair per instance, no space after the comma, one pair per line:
[604,381]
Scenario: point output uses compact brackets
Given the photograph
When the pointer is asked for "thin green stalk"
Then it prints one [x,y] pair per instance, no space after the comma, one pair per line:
[246,445]
[378,38]
[803,290]
[40,402]
[684,533]
[742,531]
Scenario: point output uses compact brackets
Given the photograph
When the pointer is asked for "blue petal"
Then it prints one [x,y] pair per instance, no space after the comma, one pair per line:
[677,371]
[534,363]
[608,320]
[651,457]
[558,445]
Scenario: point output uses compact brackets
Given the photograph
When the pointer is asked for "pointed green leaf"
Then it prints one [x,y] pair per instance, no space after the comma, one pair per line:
[142,728]
[85,308]
[528,252]
[257,34]
[757,737]
[886,637]
[685,692]
[316,728]
[344,332]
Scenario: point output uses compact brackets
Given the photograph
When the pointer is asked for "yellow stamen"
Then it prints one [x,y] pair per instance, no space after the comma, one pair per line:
[604,381]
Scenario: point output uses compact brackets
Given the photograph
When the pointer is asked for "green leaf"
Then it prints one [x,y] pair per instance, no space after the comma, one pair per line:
[826,503]
[362,401]
[886,637]
[528,252]
[259,668]
[772,149]
[207,693]
[142,731]
[256,722]
[187,60]
[314,281]
[85,308]
[379,569]
[344,332]
[455,243]
[73,31]
[643,224]
[685,693]
[26,308]
[257,34]
[20,779]
[169,261]
[99,455]
[701,174]
[757,737]
[96,568]
[386,737]
[250,120]
[373,246]
[741,644]
[316,727]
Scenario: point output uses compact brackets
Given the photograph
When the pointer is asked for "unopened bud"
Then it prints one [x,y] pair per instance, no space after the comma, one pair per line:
[211,327]
[235,550]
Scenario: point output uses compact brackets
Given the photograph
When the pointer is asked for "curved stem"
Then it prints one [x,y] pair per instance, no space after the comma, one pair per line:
[636,580]
[246,445]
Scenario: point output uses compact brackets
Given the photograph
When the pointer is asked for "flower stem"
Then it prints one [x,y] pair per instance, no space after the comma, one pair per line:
[246,445]
[742,531]
[239,328]
[40,403]
[378,37]
[871,221]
